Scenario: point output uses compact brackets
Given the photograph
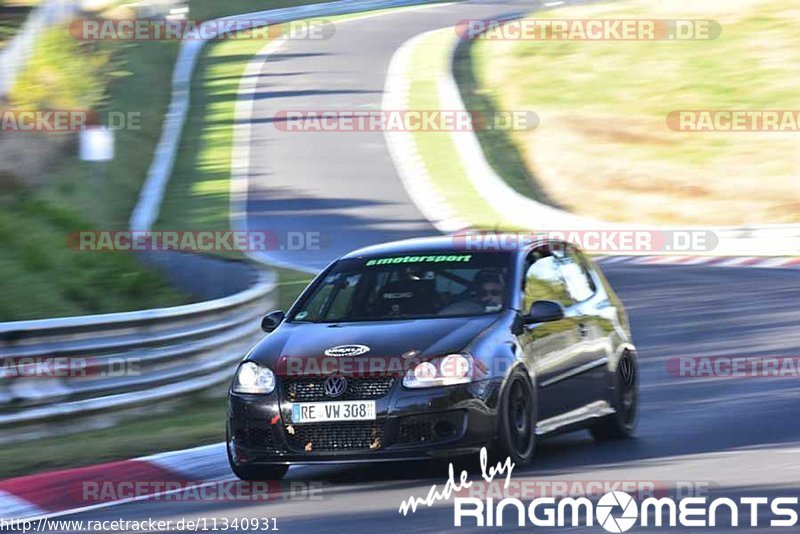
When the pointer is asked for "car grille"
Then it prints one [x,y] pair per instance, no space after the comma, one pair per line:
[260,437]
[338,436]
[417,429]
[312,389]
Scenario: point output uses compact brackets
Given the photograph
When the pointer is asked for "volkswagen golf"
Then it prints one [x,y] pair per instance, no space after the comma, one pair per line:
[429,348]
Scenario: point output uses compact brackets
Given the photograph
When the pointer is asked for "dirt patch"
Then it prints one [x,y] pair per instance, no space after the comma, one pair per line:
[25,157]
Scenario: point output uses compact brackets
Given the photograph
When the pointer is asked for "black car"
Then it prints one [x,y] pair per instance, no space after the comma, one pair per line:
[426,349]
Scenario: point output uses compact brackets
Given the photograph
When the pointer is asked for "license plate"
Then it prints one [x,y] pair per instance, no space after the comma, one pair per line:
[318,412]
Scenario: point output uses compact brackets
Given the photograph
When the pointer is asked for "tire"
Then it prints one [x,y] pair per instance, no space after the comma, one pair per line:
[253,473]
[621,423]
[517,429]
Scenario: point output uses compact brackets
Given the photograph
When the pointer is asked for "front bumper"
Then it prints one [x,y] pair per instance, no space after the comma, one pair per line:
[410,424]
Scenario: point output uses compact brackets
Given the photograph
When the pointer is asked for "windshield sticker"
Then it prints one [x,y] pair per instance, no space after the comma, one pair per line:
[420,259]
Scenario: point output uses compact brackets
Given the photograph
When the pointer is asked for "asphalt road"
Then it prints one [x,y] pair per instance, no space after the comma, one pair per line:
[739,437]
[735,436]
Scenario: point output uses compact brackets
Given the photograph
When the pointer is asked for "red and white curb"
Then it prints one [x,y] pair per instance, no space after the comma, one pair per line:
[712,261]
[75,490]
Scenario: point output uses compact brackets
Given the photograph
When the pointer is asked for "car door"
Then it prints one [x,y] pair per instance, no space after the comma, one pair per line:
[589,378]
[552,349]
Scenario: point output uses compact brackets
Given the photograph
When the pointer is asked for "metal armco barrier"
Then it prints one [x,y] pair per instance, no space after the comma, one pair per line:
[123,360]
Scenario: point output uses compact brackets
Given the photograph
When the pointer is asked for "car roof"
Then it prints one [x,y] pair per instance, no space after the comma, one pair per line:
[445,243]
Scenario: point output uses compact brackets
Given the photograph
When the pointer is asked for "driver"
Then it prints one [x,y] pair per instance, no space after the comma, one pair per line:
[490,289]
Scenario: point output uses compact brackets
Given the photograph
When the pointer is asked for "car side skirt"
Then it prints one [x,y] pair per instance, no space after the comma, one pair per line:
[578,417]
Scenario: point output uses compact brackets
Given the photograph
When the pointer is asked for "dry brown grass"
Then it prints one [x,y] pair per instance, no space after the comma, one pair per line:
[604,167]
[603,148]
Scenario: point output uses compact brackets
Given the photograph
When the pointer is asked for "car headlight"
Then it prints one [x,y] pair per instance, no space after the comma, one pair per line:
[444,371]
[254,378]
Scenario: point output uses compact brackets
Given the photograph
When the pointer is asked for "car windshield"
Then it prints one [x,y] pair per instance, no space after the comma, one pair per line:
[409,286]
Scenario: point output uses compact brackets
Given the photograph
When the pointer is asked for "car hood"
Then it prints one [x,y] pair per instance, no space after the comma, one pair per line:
[429,337]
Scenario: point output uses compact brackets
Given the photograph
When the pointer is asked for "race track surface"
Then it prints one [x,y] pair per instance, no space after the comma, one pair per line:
[740,436]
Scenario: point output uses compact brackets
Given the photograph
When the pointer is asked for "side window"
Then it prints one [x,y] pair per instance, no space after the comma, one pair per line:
[333,298]
[543,281]
[316,306]
[573,270]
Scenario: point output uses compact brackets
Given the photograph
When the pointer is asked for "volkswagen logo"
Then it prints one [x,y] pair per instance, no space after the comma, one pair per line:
[334,386]
[347,350]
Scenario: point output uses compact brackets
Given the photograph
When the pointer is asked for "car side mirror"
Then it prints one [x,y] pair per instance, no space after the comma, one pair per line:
[544,311]
[272,320]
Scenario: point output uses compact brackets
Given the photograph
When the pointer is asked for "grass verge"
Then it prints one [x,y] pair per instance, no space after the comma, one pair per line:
[603,148]
[198,194]
[55,280]
[193,421]
[43,277]
[430,57]
[498,145]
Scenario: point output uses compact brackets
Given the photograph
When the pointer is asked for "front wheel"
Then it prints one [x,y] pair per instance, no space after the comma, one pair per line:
[621,423]
[517,420]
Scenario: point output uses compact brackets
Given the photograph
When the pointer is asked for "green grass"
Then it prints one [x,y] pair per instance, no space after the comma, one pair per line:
[727,72]
[604,149]
[439,155]
[198,192]
[62,281]
[498,146]
[94,196]
[724,73]
[44,278]
[192,421]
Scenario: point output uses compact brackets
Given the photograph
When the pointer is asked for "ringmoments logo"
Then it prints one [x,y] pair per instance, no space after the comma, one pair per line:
[616,500]
[618,511]
[615,511]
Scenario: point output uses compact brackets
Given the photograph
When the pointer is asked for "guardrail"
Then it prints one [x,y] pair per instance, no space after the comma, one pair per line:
[124,360]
